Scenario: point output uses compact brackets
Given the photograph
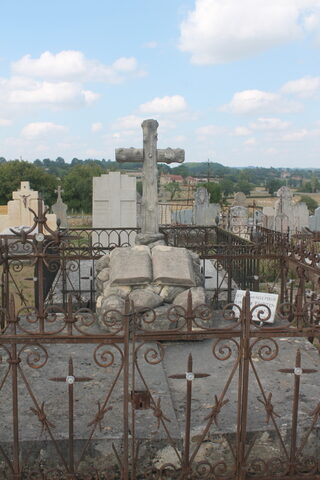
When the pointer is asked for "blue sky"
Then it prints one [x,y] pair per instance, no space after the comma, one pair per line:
[236,82]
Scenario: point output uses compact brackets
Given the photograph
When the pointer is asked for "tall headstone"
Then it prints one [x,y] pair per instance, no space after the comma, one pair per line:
[300,216]
[289,215]
[19,214]
[149,156]
[204,213]
[114,201]
[238,219]
[268,217]
[60,209]
[314,221]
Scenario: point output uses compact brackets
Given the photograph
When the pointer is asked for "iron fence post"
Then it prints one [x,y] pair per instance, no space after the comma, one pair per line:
[243,387]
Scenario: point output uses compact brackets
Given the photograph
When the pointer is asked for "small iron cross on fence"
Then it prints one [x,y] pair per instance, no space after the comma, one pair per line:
[70,379]
[149,156]
[189,376]
[297,371]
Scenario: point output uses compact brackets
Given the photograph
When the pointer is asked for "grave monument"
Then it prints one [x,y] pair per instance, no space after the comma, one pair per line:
[204,212]
[150,274]
[314,221]
[60,209]
[289,215]
[239,213]
[19,214]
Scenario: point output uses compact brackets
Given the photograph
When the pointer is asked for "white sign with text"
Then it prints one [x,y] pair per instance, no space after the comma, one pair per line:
[259,298]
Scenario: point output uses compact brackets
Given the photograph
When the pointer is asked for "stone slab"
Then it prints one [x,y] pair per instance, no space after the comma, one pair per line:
[130,266]
[204,389]
[172,266]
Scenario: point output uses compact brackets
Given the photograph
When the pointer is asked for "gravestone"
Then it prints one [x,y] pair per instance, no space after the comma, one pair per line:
[239,200]
[114,205]
[289,215]
[300,216]
[268,217]
[182,217]
[149,156]
[60,209]
[314,221]
[204,213]
[238,218]
[19,214]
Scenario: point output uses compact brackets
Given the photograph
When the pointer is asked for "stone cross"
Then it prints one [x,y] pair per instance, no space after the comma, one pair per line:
[59,191]
[149,156]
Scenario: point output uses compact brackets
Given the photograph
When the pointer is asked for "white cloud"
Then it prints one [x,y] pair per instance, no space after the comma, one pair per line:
[72,65]
[303,87]
[151,44]
[5,122]
[250,141]
[209,131]
[300,134]
[222,31]
[167,104]
[18,90]
[96,127]
[42,129]
[268,123]
[129,122]
[242,131]
[255,101]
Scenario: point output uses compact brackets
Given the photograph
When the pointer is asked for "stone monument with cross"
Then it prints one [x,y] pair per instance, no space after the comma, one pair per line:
[60,209]
[149,155]
[20,214]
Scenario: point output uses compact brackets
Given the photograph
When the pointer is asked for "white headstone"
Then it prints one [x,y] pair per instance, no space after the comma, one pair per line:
[114,205]
[314,221]
[114,201]
[268,217]
[238,217]
[18,209]
[204,213]
[289,215]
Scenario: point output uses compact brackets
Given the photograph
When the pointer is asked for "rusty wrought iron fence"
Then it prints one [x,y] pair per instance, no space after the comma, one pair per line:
[191,393]
[79,402]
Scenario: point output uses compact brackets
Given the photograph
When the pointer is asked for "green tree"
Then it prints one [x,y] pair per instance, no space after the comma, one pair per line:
[244,187]
[310,202]
[15,171]
[77,185]
[214,191]
[273,184]
[227,186]
[172,188]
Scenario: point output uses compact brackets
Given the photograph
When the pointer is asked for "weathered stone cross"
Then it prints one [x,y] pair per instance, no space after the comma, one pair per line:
[59,191]
[150,155]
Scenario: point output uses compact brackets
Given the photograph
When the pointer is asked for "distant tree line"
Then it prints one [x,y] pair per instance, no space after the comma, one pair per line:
[76,178]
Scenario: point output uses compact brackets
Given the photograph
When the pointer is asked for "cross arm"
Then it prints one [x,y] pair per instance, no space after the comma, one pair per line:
[164,155]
